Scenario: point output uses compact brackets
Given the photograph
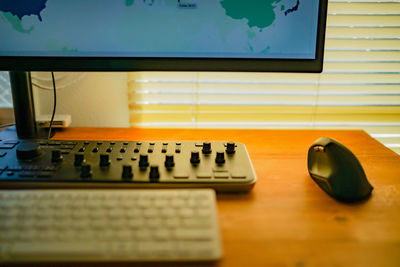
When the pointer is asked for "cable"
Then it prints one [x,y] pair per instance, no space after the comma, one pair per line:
[54,104]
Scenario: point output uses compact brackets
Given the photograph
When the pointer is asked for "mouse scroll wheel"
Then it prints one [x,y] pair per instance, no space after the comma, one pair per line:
[319,148]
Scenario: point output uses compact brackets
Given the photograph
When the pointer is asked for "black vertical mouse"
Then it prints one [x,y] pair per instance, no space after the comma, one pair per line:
[337,171]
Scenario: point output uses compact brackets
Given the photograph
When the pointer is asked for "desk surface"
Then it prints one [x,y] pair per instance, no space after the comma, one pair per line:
[287,220]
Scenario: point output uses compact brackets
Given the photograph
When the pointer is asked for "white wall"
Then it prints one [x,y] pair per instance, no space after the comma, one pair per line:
[94,99]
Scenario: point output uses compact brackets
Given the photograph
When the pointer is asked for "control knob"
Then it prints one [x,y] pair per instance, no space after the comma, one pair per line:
[104,160]
[143,161]
[127,172]
[28,150]
[154,173]
[220,158]
[195,157]
[206,148]
[230,148]
[79,159]
[86,171]
[169,161]
[56,156]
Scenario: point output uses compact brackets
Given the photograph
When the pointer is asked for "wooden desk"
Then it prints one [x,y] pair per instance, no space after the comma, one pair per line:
[287,220]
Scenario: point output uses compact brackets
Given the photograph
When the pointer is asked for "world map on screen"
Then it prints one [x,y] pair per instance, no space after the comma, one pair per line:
[175,28]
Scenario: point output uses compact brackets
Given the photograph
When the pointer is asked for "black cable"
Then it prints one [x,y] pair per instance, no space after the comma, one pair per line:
[54,104]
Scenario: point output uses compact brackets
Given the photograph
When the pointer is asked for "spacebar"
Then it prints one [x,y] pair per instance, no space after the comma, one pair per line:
[51,250]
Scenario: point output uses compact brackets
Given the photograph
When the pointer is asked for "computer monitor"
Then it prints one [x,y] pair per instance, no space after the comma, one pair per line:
[189,35]
[161,35]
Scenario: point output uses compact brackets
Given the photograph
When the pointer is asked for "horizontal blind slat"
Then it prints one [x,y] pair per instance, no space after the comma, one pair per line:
[363,8]
[340,32]
[363,20]
[362,44]
[359,55]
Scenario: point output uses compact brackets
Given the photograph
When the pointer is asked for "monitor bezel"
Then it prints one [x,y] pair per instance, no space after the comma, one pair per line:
[15,63]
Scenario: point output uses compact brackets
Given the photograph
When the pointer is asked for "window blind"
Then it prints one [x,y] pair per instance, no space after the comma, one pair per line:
[5,90]
[358,89]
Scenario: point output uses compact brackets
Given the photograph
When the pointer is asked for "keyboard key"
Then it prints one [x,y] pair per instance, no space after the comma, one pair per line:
[155,248]
[172,222]
[144,234]
[196,223]
[193,234]
[168,212]
[162,234]
[55,250]
[186,212]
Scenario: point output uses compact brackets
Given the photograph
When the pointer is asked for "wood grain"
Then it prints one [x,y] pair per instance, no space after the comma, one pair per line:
[287,220]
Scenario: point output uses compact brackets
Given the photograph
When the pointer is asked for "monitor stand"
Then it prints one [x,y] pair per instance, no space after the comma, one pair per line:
[24,111]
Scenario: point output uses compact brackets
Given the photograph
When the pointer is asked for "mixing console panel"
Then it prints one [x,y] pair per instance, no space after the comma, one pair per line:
[224,166]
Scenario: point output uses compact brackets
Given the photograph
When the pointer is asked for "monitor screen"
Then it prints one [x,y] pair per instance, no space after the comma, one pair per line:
[225,35]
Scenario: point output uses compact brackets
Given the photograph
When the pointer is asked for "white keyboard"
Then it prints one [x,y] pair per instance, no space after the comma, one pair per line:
[109,225]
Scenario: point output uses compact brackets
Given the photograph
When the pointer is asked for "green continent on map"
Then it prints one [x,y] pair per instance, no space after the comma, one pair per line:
[259,13]
[60,45]
[129,2]
[16,23]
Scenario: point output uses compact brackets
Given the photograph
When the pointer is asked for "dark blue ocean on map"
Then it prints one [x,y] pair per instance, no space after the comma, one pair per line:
[22,8]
